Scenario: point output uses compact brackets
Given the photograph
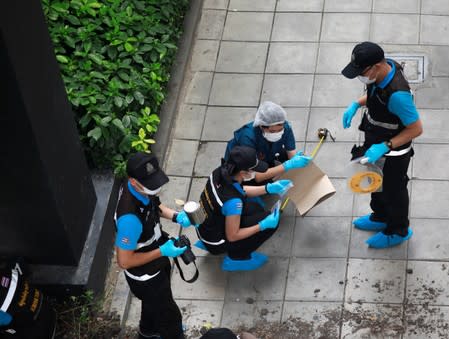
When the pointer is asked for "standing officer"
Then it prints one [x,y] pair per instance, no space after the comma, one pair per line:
[143,248]
[271,135]
[234,224]
[390,123]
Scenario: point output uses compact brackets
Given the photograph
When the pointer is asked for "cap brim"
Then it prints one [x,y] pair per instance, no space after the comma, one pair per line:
[261,167]
[155,180]
[351,71]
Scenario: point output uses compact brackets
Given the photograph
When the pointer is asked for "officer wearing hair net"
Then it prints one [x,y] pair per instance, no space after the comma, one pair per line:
[271,135]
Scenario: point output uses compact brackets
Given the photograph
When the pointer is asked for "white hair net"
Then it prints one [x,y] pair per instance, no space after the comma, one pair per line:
[269,114]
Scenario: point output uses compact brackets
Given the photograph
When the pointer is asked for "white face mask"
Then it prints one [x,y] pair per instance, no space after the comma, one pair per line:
[251,175]
[366,80]
[150,192]
[273,137]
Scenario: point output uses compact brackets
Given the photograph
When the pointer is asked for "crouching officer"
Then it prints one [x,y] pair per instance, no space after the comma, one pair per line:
[234,224]
[24,311]
[143,248]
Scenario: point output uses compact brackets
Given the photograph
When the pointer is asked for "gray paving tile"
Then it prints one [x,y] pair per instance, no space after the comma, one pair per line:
[292,57]
[430,154]
[359,249]
[335,90]
[332,158]
[215,4]
[430,322]
[427,242]
[347,6]
[177,188]
[431,24]
[315,279]
[438,7]
[312,319]
[288,90]
[211,283]
[429,199]
[189,122]
[321,237]
[300,6]
[199,313]
[248,26]
[196,188]
[331,118]
[280,244]
[211,24]
[375,321]
[247,313]
[134,313]
[333,57]
[339,205]
[355,28]
[254,285]
[298,118]
[204,55]
[440,66]
[208,158]
[181,157]
[296,27]
[427,282]
[236,89]
[400,6]
[434,96]
[406,27]
[375,281]
[242,57]
[361,204]
[434,122]
[250,5]
[199,88]
[228,119]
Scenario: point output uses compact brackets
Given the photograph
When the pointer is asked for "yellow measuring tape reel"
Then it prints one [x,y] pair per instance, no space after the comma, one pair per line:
[365,182]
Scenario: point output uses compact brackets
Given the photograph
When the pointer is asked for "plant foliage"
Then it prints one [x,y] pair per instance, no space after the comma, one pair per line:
[115,58]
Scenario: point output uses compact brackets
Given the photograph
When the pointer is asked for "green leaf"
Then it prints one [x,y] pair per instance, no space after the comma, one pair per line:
[142,133]
[129,47]
[118,101]
[139,97]
[126,121]
[62,59]
[119,124]
[95,133]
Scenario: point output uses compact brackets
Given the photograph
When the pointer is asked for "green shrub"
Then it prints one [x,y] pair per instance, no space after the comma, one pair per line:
[115,58]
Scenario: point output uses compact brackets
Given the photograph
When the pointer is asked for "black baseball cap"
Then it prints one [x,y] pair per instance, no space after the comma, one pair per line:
[363,55]
[219,333]
[144,167]
[245,158]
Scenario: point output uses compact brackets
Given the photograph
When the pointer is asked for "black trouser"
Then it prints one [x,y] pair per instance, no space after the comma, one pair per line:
[251,215]
[391,205]
[160,316]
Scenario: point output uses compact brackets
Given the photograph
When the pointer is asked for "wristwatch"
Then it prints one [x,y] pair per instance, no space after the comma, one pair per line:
[389,144]
[175,215]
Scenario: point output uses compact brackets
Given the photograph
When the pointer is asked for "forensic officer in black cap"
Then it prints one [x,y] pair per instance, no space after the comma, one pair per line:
[389,123]
[143,248]
[234,224]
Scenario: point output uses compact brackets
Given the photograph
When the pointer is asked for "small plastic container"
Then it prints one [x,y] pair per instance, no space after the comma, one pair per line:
[364,177]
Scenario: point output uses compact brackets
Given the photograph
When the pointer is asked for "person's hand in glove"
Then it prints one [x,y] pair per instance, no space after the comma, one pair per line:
[183,219]
[168,249]
[271,221]
[279,187]
[351,110]
[376,151]
[297,161]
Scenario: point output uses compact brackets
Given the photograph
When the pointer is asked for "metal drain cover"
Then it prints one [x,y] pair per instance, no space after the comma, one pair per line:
[413,66]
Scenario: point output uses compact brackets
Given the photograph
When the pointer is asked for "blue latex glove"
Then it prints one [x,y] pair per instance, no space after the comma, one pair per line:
[5,318]
[183,219]
[376,151]
[271,221]
[168,249]
[349,113]
[297,161]
[279,187]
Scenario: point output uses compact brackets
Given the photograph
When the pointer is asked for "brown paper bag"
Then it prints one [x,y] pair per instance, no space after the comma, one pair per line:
[311,187]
